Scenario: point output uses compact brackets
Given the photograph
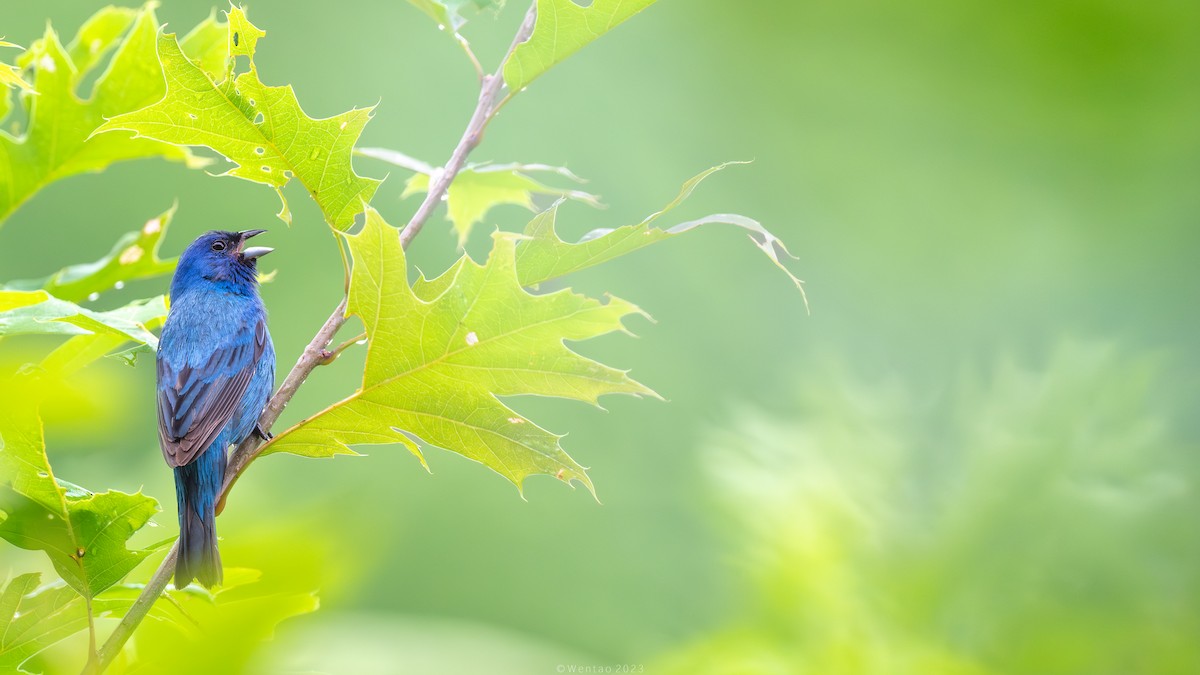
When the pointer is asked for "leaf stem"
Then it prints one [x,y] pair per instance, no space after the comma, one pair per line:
[357,339]
[466,47]
[315,352]
[93,655]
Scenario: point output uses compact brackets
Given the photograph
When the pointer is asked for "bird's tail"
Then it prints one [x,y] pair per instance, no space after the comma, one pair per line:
[197,486]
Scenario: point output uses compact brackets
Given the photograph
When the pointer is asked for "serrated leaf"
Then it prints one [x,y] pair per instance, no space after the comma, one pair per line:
[133,257]
[207,45]
[544,256]
[56,142]
[442,351]
[10,76]
[27,306]
[476,190]
[243,36]
[562,29]
[83,533]
[261,129]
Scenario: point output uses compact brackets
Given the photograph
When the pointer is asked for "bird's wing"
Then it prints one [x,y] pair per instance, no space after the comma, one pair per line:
[197,400]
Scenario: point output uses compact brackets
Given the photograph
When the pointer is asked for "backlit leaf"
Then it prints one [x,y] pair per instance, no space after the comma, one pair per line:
[10,76]
[544,256]
[477,189]
[37,312]
[441,352]
[57,140]
[261,129]
[562,29]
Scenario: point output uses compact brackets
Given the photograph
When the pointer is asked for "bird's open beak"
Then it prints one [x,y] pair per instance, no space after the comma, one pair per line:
[254,251]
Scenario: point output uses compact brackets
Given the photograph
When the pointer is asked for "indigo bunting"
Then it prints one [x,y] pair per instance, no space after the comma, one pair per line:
[216,369]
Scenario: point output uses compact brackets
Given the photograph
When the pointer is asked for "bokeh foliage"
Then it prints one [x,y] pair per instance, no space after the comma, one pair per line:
[1019,520]
[964,184]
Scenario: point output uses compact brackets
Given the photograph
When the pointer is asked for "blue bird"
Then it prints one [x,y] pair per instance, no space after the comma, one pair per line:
[216,369]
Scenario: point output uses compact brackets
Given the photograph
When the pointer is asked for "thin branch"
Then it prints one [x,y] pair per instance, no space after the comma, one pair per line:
[316,352]
[485,110]
[93,655]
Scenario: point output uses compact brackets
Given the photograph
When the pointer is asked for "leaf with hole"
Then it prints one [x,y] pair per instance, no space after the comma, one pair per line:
[261,129]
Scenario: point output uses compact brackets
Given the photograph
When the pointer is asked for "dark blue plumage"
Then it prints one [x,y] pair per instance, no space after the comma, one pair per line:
[216,369]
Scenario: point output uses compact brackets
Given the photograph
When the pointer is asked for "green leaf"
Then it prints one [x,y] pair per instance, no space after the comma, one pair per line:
[562,29]
[32,619]
[243,36]
[37,312]
[10,76]
[133,257]
[477,189]
[441,352]
[261,129]
[544,256]
[57,140]
[208,46]
[95,334]
[83,533]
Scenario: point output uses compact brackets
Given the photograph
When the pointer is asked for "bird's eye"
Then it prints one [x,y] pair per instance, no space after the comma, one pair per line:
[218,246]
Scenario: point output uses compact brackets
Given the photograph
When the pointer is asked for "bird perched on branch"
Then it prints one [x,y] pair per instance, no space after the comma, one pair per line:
[216,369]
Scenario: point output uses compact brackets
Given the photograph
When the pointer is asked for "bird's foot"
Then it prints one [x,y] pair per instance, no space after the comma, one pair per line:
[263,433]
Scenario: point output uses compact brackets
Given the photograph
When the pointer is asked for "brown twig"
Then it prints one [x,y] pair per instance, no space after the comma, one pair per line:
[315,352]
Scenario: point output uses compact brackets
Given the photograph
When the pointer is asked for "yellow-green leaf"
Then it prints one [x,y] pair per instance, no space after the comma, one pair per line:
[37,312]
[56,142]
[477,189]
[261,129]
[544,255]
[10,75]
[562,29]
[243,35]
[442,352]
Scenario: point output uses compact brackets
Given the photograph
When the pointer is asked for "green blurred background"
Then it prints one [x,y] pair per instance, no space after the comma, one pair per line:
[977,455]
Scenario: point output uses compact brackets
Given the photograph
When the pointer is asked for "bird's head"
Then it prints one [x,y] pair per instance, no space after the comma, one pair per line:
[221,258]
